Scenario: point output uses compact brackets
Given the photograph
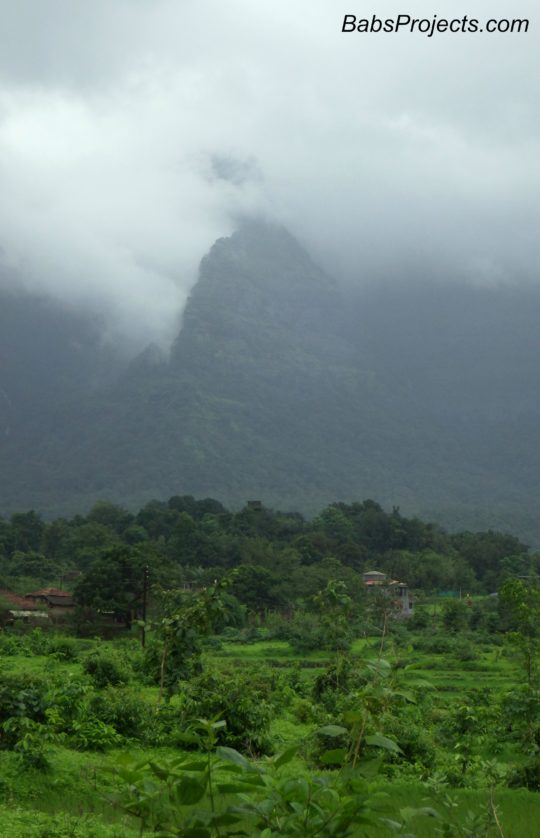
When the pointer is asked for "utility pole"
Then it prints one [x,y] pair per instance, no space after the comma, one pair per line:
[145,602]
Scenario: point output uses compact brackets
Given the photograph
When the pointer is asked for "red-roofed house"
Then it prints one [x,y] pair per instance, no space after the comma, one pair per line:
[52,598]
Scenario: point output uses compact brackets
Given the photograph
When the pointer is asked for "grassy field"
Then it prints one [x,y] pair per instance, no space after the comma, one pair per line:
[76,796]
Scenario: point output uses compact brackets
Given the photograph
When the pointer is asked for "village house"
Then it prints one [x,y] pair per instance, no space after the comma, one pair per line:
[52,598]
[20,609]
[399,591]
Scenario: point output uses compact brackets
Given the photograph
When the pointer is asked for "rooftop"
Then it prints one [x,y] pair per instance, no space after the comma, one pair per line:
[17,601]
[49,592]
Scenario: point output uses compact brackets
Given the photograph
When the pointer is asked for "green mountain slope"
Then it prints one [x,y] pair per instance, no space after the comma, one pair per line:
[285,387]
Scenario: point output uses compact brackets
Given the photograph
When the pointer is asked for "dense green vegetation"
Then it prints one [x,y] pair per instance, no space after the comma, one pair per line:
[274,695]
[438,734]
[284,386]
[283,557]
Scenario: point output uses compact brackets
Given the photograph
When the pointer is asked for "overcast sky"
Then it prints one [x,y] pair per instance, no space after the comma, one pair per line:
[135,132]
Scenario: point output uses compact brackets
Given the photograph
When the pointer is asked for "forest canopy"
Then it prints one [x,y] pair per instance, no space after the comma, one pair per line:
[283,557]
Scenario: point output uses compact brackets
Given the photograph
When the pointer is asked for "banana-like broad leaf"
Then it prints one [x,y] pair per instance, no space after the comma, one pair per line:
[333,730]
[380,741]
[230,755]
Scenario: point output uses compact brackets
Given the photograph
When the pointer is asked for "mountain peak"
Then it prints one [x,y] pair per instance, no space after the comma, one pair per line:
[264,253]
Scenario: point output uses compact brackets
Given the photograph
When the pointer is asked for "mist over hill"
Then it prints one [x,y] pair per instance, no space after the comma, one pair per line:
[285,386]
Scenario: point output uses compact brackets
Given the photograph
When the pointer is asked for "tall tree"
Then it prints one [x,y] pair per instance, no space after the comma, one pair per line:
[115,581]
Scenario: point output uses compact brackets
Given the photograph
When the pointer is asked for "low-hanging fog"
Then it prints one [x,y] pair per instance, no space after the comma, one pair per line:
[134,133]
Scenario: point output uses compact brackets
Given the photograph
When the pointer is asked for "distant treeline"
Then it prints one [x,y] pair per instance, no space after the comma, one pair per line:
[285,558]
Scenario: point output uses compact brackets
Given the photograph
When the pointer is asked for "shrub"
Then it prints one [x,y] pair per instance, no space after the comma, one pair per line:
[527,775]
[90,734]
[338,677]
[296,681]
[10,644]
[328,740]
[464,651]
[305,633]
[243,704]
[420,619]
[214,643]
[438,644]
[277,626]
[64,648]
[455,615]
[105,669]
[47,825]
[230,633]
[67,699]
[123,710]
[305,712]
[27,738]
[253,634]
[38,642]
[409,733]
[520,713]
[181,665]
[23,695]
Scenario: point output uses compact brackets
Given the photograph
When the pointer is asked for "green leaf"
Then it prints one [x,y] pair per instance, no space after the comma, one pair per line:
[159,770]
[225,818]
[408,696]
[379,667]
[188,738]
[190,790]
[232,769]
[333,730]
[334,757]
[369,768]
[251,778]
[353,716]
[195,765]
[285,757]
[230,755]
[295,790]
[234,788]
[395,826]
[420,683]
[410,812]
[380,741]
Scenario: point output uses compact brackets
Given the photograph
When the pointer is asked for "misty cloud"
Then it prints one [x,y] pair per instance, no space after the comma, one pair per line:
[132,134]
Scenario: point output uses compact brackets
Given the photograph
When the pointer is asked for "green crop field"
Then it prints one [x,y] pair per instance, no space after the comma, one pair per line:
[63,776]
[284,686]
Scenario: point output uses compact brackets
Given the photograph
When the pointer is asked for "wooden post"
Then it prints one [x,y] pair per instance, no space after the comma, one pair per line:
[145,600]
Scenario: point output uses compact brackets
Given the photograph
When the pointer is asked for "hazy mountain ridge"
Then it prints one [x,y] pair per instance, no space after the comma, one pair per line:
[284,386]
